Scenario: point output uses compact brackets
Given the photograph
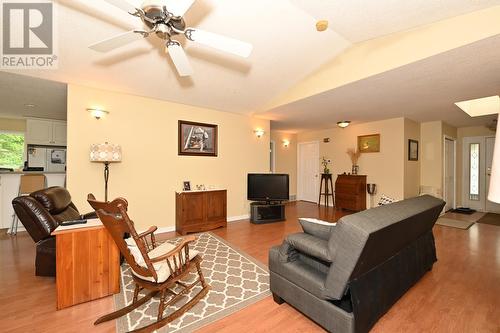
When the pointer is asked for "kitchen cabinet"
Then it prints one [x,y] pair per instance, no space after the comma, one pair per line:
[46,132]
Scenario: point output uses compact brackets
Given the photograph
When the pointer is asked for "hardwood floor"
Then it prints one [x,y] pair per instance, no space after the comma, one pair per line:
[460,294]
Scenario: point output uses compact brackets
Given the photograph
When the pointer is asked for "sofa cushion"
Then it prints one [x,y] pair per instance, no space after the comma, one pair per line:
[161,268]
[317,228]
[310,245]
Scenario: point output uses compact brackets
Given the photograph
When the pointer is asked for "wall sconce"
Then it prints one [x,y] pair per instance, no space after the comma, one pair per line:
[98,113]
[259,132]
[343,123]
[286,143]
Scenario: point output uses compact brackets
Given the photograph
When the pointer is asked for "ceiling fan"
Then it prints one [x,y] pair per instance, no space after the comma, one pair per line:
[164,18]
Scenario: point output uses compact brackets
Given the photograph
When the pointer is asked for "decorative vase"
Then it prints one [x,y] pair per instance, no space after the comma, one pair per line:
[355,169]
[326,171]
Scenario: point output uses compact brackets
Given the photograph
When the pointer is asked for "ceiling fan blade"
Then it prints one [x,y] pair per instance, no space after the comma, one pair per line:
[117,41]
[179,58]
[123,5]
[219,42]
[178,7]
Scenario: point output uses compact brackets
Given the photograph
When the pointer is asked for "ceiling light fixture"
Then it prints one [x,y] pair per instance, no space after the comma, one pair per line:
[29,105]
[480,106]
[98,113]
[343,123]
[322,25]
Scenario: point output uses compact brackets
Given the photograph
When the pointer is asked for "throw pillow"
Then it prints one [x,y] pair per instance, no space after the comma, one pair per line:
[385,200]
[317,228]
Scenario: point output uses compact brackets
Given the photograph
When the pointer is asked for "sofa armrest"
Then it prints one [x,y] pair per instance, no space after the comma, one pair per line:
[307,244]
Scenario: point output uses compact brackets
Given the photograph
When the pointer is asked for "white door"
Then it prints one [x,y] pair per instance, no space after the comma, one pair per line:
[449,174]
[308,171]
[490,144]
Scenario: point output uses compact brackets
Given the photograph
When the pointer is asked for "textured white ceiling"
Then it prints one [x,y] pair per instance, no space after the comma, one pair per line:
[423,91]
[286,49]
[359,20]
[48,97]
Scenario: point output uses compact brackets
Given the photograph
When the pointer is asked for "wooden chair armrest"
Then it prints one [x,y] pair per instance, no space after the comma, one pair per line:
[176,250]
[150,233]
[151,230]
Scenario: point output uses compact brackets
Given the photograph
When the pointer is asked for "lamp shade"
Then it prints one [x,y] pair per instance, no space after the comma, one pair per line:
[494,193]
[105,152]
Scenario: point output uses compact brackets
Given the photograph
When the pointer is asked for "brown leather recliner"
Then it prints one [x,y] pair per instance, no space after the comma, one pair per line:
[40,213]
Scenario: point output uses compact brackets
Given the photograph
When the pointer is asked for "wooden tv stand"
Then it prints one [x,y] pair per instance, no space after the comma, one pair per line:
[267,212]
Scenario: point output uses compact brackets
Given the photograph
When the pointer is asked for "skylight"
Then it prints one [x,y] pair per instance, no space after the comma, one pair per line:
[481,106]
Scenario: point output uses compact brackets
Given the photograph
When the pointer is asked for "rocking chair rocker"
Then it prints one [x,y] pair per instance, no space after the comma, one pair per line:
[156,268]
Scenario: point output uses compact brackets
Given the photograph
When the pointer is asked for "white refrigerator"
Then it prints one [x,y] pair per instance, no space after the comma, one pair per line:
[50,159]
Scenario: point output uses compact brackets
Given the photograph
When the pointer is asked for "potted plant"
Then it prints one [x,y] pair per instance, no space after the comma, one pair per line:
[354,155]
[325,162]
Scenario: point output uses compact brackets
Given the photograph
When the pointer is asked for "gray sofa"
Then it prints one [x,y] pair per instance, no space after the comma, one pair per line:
[347,282]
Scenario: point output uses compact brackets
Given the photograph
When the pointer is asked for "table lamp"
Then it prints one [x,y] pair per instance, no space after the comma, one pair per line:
[105,153]
[494,192]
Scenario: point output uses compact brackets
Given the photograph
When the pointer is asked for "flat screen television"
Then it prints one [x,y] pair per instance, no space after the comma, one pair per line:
[267,187]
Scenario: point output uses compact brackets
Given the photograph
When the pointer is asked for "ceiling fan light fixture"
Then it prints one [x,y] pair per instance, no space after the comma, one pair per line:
[343,123]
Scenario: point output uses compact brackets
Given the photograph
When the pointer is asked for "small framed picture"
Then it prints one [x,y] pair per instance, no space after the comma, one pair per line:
[412,150]
[369,143]
[186,186]
[197,139]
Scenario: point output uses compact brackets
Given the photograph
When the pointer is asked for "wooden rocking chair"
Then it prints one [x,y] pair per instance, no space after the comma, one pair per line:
[154,268]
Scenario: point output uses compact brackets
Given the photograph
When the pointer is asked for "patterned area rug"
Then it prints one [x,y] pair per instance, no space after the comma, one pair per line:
[236,279]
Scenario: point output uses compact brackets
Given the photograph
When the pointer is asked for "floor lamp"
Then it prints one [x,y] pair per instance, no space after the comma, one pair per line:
[105,153]
[494,192]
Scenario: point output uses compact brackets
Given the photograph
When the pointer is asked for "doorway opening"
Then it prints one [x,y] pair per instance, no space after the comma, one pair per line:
[449,173]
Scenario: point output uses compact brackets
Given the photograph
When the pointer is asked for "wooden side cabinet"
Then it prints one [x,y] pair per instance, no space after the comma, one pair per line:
[200,210]
[350,192]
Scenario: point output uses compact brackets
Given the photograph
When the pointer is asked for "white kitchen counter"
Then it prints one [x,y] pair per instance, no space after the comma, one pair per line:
[9,189]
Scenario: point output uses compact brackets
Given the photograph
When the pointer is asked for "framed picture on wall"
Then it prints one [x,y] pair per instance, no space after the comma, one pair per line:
[369,143]
[412,150]
[197,139]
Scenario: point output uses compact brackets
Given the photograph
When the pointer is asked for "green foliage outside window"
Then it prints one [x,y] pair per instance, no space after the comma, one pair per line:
[11,150]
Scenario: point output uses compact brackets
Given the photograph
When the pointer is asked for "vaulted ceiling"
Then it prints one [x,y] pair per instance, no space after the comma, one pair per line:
[287,48]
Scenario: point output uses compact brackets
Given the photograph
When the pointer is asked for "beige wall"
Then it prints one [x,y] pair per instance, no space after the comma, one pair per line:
[463,132]
[10,124]
[286,157]
[431,166]
[386,169]
[412,168]
[151,170]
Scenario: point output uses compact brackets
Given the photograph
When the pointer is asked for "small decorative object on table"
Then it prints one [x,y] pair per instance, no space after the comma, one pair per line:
[200,187]
[186,186]
[372,190]
[325,161]
[354,155]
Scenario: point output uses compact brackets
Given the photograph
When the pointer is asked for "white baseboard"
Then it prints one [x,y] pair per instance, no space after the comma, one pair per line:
[238,218]
[162,230]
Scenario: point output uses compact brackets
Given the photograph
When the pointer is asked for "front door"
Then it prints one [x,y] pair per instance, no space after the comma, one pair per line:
[490,144]
[477,159]
[308,171]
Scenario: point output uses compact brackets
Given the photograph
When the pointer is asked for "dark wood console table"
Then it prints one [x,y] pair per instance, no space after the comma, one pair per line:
[200,210]
[350,192]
